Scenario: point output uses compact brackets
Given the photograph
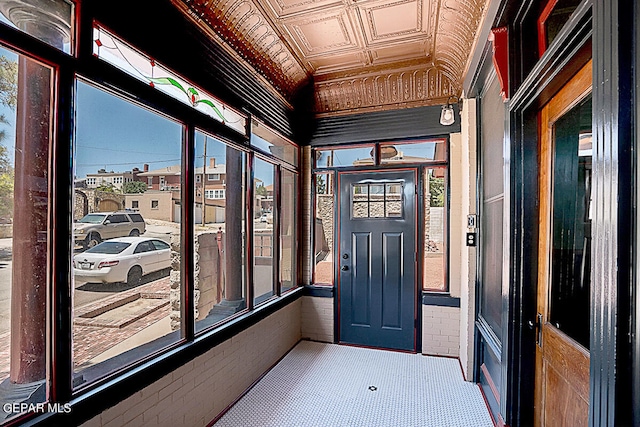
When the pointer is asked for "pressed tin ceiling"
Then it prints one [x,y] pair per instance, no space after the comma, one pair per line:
[362,55]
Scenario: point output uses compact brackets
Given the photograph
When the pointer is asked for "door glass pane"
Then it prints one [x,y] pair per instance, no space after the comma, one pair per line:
[50,21]
[571,229]
[323,229]
[126,304]
[25,147]
[376,200]
[219,215]
[263,208]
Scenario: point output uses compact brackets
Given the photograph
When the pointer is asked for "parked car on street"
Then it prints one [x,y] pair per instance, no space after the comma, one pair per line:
[124,259]
[95,227]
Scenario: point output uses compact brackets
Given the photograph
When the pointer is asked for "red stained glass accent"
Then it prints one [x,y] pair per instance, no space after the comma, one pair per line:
[153,63]
[151,84]
[98,42]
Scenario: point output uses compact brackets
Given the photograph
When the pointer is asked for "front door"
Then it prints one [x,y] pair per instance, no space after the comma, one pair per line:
[377,277]
[564,278]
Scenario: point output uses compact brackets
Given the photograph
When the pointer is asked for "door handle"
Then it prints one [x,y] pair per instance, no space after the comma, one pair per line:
[345,268]
[537,326]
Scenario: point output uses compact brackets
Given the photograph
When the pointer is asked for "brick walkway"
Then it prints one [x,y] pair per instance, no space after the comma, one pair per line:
[92,338]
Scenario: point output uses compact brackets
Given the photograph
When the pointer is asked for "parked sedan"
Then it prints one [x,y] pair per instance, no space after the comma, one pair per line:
[124,259]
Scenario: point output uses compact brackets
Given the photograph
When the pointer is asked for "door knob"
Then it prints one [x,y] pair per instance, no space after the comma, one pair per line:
[345,268]
[345,256]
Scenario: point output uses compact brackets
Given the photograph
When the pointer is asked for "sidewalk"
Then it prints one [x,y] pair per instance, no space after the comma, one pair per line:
[92,338]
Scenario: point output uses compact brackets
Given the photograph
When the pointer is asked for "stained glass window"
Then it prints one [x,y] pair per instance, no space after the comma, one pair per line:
[114,51]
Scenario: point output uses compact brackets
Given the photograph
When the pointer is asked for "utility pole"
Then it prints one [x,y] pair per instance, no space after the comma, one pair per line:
[204,174]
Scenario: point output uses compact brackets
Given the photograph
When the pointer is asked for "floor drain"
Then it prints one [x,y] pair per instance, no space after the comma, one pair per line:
[373,388]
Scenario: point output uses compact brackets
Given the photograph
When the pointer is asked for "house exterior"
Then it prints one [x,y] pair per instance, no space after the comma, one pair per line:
[111,178]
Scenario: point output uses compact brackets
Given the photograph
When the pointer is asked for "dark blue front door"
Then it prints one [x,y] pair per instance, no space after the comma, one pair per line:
[377,287]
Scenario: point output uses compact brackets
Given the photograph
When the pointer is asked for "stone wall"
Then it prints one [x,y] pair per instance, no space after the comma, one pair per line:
[325,211]
[207,269]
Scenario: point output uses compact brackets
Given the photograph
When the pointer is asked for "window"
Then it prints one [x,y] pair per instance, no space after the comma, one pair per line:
[323,230]
[24,216]
[269,141]
[120,312]
[263,237]
[119,324]
[288,229]
[220,273]
[63,11]
[435,230]
[555,14]
[345,157]
[380,200]
[114,51]
[214,194]
[373,200]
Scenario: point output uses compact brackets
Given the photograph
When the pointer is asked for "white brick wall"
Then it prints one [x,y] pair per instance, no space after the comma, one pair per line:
[441,331]
[317,319]
[196,392]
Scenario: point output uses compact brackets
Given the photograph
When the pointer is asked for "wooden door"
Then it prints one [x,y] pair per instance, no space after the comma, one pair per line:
[377,287]
[563,327]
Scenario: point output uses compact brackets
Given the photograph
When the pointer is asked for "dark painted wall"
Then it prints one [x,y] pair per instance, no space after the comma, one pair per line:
[383,125]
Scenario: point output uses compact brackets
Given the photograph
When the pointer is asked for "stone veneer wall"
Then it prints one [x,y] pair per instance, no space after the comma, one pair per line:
[198,391]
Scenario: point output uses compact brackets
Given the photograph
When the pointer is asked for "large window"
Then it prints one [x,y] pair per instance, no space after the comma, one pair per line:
[263,232]
[219,241]
[123,295]
[130,225]
[25,199]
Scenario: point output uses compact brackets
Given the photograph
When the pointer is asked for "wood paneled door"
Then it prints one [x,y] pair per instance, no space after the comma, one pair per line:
[564,275]
[377,287]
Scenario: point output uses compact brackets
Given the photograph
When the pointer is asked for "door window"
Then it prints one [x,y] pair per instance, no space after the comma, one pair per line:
[571,230]
[376,200]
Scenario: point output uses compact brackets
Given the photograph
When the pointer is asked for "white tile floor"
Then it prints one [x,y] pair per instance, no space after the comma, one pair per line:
[327,385]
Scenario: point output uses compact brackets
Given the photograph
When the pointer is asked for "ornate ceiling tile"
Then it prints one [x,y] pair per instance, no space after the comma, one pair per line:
[411,87]
[242,25]
[363,55]
[458,24]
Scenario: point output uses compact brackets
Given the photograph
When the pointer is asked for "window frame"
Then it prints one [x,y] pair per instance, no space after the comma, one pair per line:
[96,396]
[377,164]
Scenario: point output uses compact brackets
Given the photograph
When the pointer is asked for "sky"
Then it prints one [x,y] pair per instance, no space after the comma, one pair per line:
[117,135]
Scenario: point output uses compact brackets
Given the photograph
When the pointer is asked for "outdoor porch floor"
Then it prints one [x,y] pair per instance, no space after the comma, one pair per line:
[330,385]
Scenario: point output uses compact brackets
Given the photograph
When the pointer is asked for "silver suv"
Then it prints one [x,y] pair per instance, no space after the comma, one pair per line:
[95,227]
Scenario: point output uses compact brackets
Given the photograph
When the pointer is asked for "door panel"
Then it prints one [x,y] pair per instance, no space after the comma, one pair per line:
[562,354]
[377,281]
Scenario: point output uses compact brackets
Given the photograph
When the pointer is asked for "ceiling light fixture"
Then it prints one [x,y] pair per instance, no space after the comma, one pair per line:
[447,117]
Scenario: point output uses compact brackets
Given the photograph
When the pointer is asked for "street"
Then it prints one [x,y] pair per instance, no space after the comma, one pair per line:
[84,293]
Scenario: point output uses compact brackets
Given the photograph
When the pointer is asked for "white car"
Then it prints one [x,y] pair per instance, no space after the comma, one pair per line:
[124,259]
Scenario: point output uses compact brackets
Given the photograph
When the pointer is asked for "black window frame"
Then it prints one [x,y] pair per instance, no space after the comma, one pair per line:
[108,391]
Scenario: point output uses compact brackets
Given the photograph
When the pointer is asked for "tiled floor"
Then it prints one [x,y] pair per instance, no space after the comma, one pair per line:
[327,385]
